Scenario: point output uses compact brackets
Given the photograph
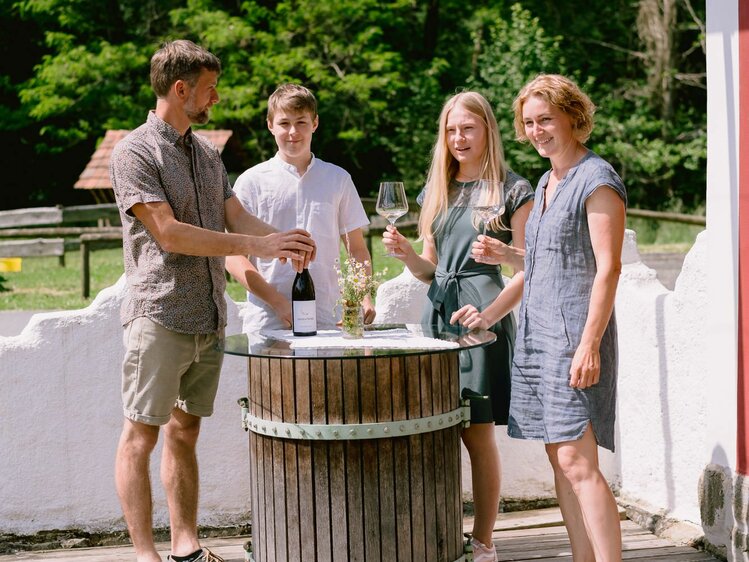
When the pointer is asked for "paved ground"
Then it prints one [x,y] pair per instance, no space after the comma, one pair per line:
[519,536]
[667,267]
[12,322]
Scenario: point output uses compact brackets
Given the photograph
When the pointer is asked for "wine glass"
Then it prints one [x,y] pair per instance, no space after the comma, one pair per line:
[391,202]
[488,201]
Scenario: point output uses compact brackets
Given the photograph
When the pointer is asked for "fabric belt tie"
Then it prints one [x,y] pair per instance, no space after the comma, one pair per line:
[446,284]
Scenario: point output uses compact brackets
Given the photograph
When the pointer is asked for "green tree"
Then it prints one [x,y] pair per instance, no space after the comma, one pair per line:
[380,69]
[512,51]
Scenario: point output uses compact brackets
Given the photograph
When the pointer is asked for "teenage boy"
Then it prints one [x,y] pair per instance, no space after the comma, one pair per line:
[176,205]
[294,189]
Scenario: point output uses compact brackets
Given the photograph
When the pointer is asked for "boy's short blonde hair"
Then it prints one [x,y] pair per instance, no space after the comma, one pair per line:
[292,97]
[563,93]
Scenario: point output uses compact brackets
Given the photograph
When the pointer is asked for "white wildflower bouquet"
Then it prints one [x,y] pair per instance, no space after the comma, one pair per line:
[354,281]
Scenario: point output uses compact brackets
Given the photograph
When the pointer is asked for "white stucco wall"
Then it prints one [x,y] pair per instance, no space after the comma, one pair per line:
[61,418]
[662,380]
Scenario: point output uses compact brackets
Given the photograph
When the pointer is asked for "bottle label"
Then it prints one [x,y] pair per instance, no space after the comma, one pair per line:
[305,317]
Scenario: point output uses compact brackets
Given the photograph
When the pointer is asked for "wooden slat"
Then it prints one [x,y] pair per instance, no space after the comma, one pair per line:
[279,476]
[304,456]
[337,464]
[320,464]
[86,213]
[58,231]
[268,488]
[416,459]
[401,466]
[371,502]
[30,217]
[354,490]
[428,455]
[451,443]
[698,220]
[441,448]
[291,466]
[253,392]
[32,248]
[389,532]
[454,384]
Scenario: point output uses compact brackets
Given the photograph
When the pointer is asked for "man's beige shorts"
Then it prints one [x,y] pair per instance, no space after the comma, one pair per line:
[163,370]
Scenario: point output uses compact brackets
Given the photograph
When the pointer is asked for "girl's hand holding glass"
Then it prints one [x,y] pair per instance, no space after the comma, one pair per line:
[391,202]
[489,201]
[395,243]
[495,252]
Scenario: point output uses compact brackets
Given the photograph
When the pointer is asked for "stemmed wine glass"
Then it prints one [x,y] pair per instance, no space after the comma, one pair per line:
[489,201]
[391,202]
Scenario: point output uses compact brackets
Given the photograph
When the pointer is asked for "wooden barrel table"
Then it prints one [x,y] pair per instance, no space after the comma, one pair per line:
[355,452]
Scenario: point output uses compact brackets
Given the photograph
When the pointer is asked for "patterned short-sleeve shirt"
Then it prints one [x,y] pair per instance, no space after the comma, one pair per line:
[155,163]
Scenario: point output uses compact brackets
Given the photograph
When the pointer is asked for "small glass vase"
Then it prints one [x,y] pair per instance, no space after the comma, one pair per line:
[352,321]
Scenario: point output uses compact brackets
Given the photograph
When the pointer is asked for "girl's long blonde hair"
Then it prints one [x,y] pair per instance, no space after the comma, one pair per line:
[444,167]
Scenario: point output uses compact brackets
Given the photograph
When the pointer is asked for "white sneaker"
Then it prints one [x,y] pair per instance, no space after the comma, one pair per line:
[483,553]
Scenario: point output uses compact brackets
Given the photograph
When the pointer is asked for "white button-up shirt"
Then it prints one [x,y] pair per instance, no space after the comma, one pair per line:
[324,202]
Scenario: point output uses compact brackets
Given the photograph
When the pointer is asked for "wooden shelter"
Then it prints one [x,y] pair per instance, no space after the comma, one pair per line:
[95,177]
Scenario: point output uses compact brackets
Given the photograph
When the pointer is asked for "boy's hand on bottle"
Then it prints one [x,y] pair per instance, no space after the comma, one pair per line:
[282,307]
[368,310]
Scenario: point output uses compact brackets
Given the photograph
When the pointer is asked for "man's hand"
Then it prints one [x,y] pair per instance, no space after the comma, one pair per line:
[294,245]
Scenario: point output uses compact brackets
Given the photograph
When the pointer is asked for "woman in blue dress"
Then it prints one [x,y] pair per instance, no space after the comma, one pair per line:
[468,148]
[565,364]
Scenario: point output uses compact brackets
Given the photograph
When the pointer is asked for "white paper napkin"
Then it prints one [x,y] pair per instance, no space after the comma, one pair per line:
[398,338]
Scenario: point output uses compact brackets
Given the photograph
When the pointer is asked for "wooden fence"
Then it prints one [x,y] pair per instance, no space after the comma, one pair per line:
[50,231]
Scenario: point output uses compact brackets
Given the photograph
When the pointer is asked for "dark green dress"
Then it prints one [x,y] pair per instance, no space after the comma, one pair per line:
[458,281]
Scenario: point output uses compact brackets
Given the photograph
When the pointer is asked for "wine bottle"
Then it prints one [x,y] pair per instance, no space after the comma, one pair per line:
[303,307]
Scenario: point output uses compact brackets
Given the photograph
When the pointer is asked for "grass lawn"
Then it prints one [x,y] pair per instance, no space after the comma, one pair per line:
[43,285]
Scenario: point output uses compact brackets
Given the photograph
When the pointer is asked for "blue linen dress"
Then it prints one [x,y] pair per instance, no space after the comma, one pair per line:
[559,270]
[458,281]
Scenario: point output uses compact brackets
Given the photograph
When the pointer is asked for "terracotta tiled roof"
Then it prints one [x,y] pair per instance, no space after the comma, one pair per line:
[96,173]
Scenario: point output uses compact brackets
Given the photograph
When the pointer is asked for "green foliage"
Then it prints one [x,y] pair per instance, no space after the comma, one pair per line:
[513,51]
[79,92]
[380,69]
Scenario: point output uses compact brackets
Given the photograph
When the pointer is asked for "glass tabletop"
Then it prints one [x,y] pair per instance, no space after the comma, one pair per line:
[269,346]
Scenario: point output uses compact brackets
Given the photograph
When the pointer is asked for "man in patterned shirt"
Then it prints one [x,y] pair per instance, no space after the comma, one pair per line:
[176,205]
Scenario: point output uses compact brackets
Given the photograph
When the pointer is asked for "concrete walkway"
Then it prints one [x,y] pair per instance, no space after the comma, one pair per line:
[667,267]
[519,536]
[12,322]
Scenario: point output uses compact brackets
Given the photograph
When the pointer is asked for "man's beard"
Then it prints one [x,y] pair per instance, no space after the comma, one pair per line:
[200,117]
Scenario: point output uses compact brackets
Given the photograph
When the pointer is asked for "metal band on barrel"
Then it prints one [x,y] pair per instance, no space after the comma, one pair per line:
[351,431]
